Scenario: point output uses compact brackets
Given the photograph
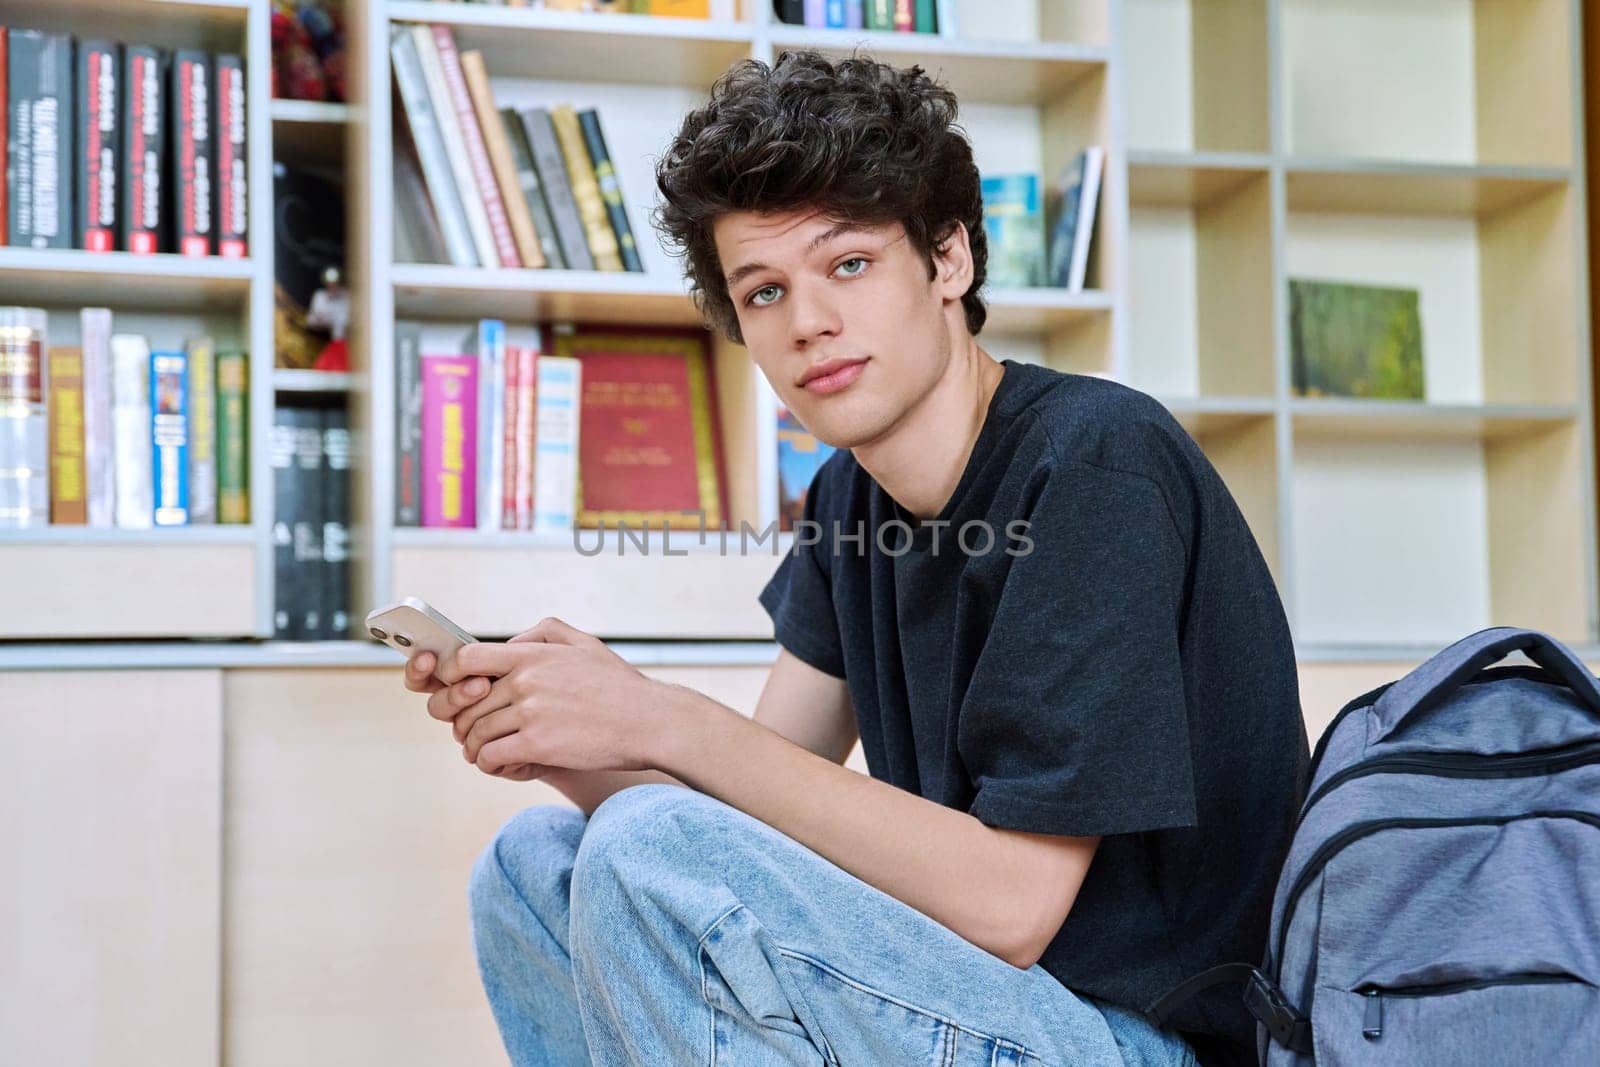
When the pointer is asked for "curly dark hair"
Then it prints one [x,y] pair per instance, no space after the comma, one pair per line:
[859,140]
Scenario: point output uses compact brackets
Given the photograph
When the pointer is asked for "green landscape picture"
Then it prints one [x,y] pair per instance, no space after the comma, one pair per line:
[1355,340]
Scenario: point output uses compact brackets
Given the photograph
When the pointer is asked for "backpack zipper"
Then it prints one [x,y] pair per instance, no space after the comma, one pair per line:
[1461,765]
[1372,1018]
[1342,840]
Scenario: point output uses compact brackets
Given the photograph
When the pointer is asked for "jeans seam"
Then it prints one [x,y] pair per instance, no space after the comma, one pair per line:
[516,890]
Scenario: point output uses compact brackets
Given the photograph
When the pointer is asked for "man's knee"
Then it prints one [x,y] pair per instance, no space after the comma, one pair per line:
[529,859]
[641,833]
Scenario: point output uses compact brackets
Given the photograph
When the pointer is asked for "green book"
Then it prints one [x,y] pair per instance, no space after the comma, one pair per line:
[1015,228]
[879,14]
[233,437]
[926,20]
[1355,340]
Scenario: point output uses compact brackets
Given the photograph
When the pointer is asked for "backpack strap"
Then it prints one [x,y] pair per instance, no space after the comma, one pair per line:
[1447,670]
[1262,998]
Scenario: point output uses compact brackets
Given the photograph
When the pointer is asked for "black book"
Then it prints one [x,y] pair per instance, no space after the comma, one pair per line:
[532,191]
[232,155]
[39,120]
[552,169]
[335,524]
[286,495]
[306,529]
[99,167]
[144,190]
[792,12]
[192,144]
[610,188]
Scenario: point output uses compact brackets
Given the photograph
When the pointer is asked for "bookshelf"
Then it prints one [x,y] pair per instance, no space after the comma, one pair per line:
[206,582]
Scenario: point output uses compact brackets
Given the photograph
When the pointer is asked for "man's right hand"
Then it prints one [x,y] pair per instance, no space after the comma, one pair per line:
[446,701]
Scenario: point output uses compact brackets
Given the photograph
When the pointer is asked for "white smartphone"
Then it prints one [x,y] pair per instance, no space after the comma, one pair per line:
[411,625]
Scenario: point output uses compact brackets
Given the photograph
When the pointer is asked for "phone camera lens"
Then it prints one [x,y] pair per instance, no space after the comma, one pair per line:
[402,640]
[379,634]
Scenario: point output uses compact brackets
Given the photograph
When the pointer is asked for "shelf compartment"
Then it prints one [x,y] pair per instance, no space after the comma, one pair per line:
[429,291]
[1381,186]
[124,280]
[580,46]
[214,25]
[180,583]
[1453,80]
[309,131]
[1189,179]
[1407,420]
[1197,74]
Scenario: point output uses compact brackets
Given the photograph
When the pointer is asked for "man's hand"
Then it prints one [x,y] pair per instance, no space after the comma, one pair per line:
[554,697]
[445,700]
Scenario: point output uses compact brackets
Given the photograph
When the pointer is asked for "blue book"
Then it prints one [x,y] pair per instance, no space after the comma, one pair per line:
[1012,221]
[854,14]
[836,19]
[800,456]
[1065,229]
[169,407]
[815,14]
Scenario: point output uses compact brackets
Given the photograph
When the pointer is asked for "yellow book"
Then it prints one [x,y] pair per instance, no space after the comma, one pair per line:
[586,190]
[681,9]
[69,504]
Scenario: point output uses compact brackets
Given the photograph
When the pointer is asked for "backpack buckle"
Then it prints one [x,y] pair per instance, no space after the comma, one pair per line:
[1283,1021]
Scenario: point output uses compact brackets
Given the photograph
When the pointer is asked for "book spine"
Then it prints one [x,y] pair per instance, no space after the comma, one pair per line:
[514,207]
[792,12]
[99,148]
[233,437]
[455,81]
[594,140]
[491,349]
[169,434]
[529,187]
[449,440]
[336,524]
[1094,164]
[945,18]
[586,190]
[431,153]
[834,19]
[880,14]
[814,15]
[904,16]
[5,124]
[854,14]
[923,17]
[24,425]
[527,460]
[552,168]
[130,416]
[191,152]
[40,137]
[68,482]
[144,158]
[285,497]
[408,424]
[455,144]
[556,440]
[510,467]
[95,331]
[202,431]
[306,530]
[232,151]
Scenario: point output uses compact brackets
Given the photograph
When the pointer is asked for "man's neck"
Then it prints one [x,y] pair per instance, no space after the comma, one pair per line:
[920,462]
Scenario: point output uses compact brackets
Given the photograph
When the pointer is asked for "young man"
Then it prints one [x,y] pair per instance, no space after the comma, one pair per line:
[1029,595]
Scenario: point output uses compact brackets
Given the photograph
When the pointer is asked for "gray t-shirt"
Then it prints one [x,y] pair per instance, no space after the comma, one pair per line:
[1115,661]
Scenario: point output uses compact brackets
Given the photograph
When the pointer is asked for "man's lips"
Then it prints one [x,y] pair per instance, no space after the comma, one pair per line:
[832,375]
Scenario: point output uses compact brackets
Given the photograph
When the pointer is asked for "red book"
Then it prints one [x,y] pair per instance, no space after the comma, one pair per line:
[511,461]
[649,444]
[477,152]
[527,361]
[449,440]
[905,17]
[192,152]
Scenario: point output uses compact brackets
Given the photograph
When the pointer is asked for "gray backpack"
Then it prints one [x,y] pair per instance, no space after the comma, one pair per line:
[1440,903]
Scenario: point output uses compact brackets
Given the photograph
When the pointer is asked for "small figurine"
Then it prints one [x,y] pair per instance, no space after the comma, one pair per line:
[330,310]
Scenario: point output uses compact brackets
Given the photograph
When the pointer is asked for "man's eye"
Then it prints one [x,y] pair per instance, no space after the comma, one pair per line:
[755,299]
[858,270]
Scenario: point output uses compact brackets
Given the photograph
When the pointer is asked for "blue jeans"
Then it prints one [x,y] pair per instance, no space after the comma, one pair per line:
[672,929]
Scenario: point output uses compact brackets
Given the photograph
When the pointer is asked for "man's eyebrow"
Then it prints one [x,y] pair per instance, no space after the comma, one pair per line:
[837,229]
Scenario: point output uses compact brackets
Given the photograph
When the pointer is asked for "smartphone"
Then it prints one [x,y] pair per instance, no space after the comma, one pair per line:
[412,625]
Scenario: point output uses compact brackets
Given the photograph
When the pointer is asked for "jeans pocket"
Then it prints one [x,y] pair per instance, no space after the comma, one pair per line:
[741,980]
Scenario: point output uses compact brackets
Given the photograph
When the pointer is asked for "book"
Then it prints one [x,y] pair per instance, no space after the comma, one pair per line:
[449,440]
[99,113]
[854,14]
[132,449]
[233,436]
[202,430]
[455,148]
[24,427]
[518,217]
[169,434]
[481,171]
[524,442]
[610,188]
[556,434]
[335,475]
[94,326]
[69,504]
[286,494]
[1012,223]
[649,447]
[1355,340]
[307,606]
[510,462]
[905,19]
[1070,218]
[408,424]
[924,17]
[814,13]
[191,153]
[432,155]
[39,135]
[551,164]
[233,157]
[531,189]
[488,345]
[144,160]
[792,12]
[5,182]
[800,456]
[944,18]
[602,239]
[418,237]
[880,14]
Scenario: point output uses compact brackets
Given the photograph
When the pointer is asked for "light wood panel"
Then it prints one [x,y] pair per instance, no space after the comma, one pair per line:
[110,868]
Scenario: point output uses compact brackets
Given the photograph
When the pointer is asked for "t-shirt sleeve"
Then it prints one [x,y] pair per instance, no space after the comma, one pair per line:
[1076,721]
[798,597]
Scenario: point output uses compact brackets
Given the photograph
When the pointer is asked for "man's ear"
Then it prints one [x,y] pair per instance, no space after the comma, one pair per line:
[952,262]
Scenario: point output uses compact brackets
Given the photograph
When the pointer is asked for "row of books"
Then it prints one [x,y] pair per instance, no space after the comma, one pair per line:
[310,452]
[688,9]
[112,147]
[477,185]
[551,428]
[1028,247]
[108,433]
[902,16]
